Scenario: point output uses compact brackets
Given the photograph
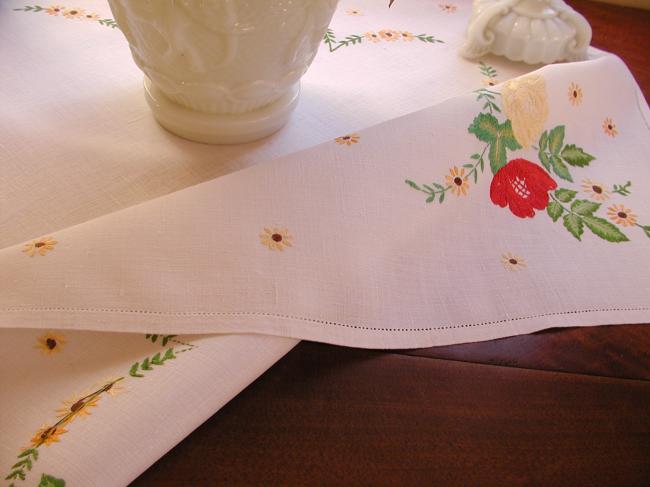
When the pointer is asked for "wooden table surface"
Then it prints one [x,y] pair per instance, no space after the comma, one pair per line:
[566,407]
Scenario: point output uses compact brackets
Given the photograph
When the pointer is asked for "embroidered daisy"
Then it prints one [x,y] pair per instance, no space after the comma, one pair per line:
[407,36]
[575,94]
[275,238]
[90,16]
[348,139]
[372,37]
[389,35]
[74,13]
[596,191]
[50,343]
[512,262]
[40,245]
[609,127]
[78,405]
[621,215]
[489,81]
[47,435]
[449,8]
[458,181]
[354,12]
[111,386]
[54,9]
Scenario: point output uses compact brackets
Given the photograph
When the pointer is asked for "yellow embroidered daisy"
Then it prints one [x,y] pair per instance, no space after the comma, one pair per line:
[372,36]
[512,262]
[575,94]
[50,342]
[621,215]
[74,13]
[449,8]
[489,81]
[78,405]
[389,35]
[54,9]
[458,181]
[40,245]
[407,36]
[111,386]
[355,12]
[47,435]
[90,16]
[609,127]
[596,191]
[348,139]
[276,238]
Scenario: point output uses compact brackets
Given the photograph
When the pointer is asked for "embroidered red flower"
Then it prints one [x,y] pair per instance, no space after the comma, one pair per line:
[523,186]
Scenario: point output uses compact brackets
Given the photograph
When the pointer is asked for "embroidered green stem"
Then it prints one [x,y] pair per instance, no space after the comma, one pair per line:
[581,214]
[623,190]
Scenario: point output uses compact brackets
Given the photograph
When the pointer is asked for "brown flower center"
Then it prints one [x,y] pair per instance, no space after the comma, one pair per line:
[609,126]
[38,245]
[513,261]
[388,34]
[276,237]
[346,137]
[50,343]
[597,189]
[622,214]
[73,12]
[458,181]
[48,432]
[77,406]
[575,94]
[491,83]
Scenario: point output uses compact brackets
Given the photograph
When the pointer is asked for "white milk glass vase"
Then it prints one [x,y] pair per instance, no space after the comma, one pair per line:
[223,71]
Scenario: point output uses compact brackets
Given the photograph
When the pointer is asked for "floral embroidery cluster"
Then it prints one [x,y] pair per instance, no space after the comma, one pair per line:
[387,35]
[75,407]
[69,13]
[524,186]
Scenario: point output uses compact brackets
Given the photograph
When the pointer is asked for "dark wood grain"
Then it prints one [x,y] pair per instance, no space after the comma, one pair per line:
[560,407]
[612,351]
[331,416]
[624,31]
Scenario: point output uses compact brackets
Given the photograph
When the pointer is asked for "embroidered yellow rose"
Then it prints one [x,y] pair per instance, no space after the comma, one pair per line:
[525,104]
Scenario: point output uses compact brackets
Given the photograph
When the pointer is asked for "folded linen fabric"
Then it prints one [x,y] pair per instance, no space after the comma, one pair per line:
[465,221]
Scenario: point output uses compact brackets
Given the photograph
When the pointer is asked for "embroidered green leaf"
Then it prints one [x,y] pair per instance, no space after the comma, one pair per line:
[31,451]
[133,371]
[575,156]
[155,360]
[50,481]
[584,207]
[544,160]
[413,185]
[441,198]
[543,141]
[573,223]
[476,156]
[623,190]
[556,139]
[439,187]
[27,462]
[560,168]
[169,354]
[554,210]
[16,474]
[646,229]
[430,199]
[145,364]
[565,195]
[604,229]
[468,166]
[486,127]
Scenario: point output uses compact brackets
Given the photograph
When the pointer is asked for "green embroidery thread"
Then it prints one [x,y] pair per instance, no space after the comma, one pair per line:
[50,481]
